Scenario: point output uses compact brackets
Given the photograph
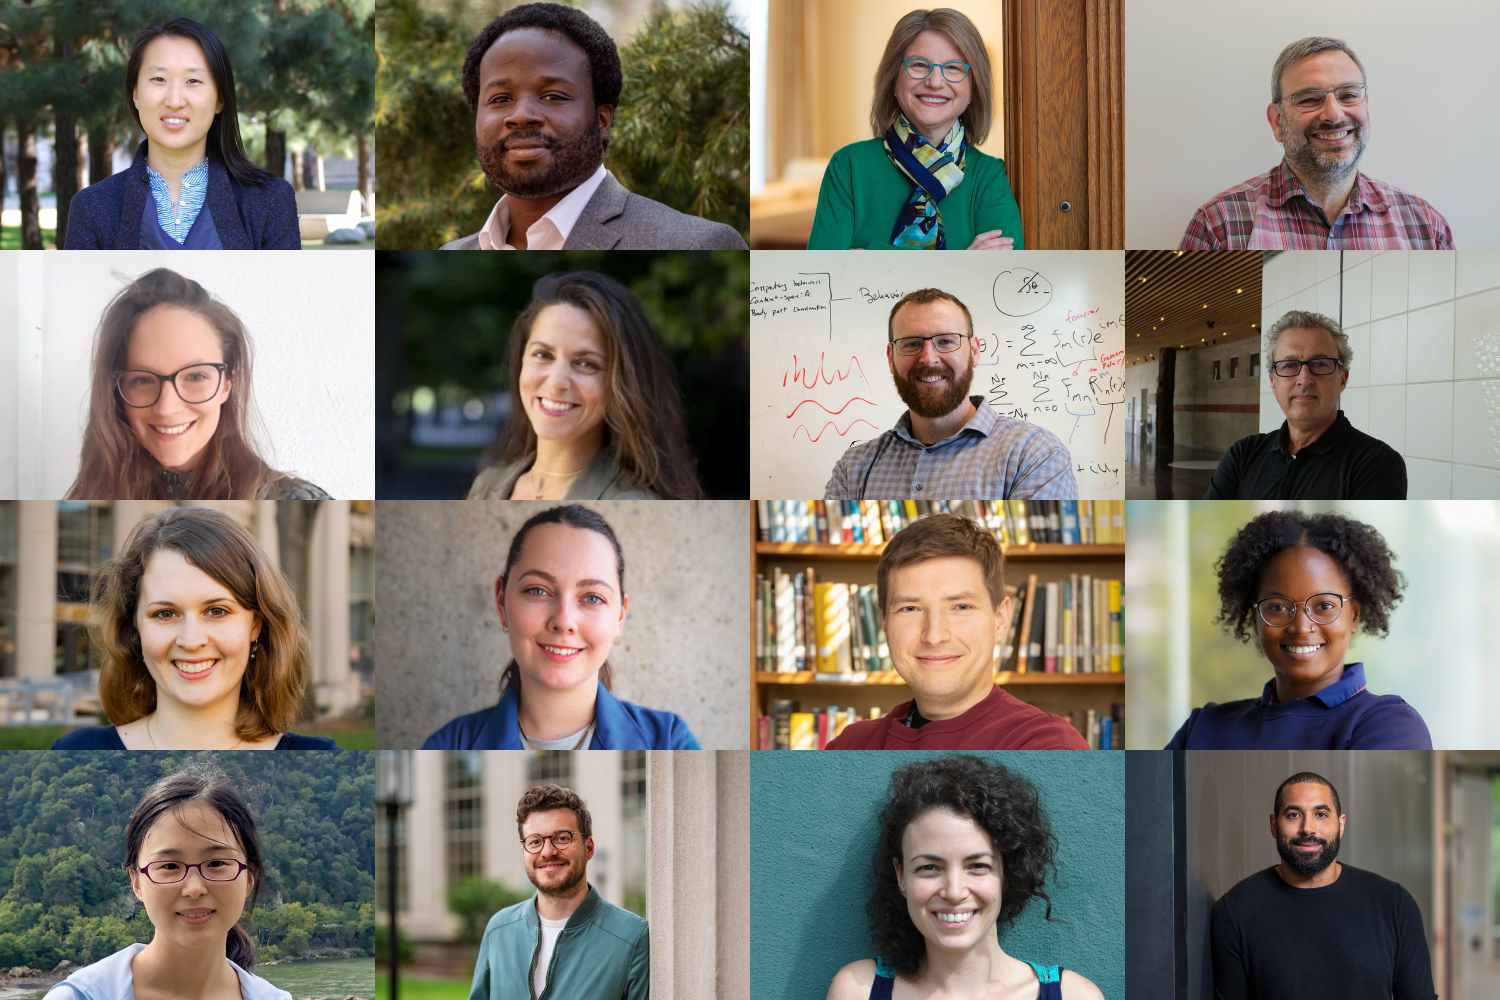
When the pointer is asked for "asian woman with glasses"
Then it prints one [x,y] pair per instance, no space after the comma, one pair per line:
[1302,584]
[194,861]
[170,402]
[920,183]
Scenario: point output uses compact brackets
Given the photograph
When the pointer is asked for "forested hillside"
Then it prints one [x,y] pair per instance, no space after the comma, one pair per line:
[64,893]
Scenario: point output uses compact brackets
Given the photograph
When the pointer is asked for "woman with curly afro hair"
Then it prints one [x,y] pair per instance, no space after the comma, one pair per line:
[1302,584]
[964,845]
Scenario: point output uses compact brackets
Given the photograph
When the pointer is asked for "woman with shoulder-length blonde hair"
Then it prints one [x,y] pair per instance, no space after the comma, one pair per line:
[595,412]
[170,402]
[920,184]
[202,642]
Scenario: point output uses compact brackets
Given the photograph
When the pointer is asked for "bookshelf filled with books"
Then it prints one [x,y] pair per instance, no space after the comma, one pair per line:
[819,654]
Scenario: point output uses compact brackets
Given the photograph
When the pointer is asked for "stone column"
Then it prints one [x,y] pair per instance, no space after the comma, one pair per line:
[1166,379]
[36,588]
[336,687]
[266,532]
[124,515]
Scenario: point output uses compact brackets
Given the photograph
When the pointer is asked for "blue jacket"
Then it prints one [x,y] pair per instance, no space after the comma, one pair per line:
[619,726]
[107,738]
[110,979]
[107,215]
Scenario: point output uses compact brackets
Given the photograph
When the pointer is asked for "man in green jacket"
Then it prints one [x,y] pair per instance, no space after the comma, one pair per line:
[566,942]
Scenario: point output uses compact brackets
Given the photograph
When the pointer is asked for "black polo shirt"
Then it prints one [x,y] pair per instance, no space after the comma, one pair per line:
[1343,464]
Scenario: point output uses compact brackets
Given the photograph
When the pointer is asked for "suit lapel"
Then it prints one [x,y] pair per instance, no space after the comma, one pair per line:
[133,204]
[590,232]
[225,212]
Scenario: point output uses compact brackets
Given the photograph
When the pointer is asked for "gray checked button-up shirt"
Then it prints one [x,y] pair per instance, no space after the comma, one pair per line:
[989,458]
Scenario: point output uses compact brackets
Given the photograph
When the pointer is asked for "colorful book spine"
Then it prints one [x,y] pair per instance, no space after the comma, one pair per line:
[1116,620]
[804,737]
[1049,631]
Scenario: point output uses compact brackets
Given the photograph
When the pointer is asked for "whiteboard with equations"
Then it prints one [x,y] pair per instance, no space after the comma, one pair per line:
[1051,325]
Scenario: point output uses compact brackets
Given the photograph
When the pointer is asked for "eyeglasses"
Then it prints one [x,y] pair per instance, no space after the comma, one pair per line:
[943,343]
[1279,612]
[921,69]
[214,870]
[1318,366]
[1312,100]
[194,384]
[560,841]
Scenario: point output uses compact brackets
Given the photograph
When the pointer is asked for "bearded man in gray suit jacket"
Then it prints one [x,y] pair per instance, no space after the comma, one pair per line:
[543,81]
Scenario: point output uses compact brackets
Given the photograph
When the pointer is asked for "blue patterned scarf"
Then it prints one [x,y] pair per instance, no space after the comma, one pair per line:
[934,172]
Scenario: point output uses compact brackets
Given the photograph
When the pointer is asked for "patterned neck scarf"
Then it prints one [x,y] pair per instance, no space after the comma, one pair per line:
[934,172]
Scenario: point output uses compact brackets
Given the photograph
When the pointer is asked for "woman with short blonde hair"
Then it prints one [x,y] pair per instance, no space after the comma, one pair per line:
[920,183]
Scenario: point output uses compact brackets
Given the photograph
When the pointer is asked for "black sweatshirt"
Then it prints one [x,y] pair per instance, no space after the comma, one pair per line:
[1342,464]
[1360,938]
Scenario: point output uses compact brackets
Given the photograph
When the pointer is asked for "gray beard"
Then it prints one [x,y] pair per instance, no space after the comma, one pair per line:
[1316,166]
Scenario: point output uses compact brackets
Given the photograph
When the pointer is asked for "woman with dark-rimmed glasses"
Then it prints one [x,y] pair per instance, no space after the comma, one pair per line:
[1304,583]
[170,402]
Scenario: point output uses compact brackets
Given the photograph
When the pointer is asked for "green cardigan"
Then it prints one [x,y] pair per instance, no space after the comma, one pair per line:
[863,192]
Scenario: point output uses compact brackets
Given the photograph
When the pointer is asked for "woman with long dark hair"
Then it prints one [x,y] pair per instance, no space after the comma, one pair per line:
[595,412]
[170,402]
[561,598]
[191,186]
[195,864]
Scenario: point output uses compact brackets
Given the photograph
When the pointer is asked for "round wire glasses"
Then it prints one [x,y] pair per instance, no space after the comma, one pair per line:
[214,870]
[1279,612]
[560,841]
[194,384]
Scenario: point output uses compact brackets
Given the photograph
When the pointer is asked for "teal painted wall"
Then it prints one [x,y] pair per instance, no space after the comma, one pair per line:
[813,828]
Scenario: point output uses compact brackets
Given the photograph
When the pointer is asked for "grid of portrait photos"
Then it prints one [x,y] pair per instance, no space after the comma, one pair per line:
[390,624]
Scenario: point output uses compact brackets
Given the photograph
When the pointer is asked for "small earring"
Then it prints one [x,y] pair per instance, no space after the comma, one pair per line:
[252,651]
[617,640]
[505,629]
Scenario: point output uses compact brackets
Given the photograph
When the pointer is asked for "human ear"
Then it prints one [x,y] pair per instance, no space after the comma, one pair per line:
[900,877]
[1273,115]
[500,600]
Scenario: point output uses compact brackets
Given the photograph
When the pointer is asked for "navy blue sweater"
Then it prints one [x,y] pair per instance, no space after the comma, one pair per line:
[1342,716]
[107,215]
[107,738]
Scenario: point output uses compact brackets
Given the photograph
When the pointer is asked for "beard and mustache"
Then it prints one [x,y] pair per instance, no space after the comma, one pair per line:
[573,160]
[1330,167]
[574,874]
[927,399]
[1304,864]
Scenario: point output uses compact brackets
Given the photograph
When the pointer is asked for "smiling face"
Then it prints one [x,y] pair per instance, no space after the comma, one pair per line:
[932,384]
[537,131]
[934,104]
[952,879]
[196,913]
[1308,829]
[554,872]
[165,340]
[175,94]
[195,637]
[1325,144]
[563,606]
[941,629]
[1306,656]
[563,378]
[1308,400]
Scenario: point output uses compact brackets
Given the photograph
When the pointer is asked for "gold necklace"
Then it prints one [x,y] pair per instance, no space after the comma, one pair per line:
[155,747]
[566,478]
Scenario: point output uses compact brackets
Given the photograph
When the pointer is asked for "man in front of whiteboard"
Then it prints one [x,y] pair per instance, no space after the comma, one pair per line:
[948,445]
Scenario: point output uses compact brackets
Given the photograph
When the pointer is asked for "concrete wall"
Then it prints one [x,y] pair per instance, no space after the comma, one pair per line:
[1207,425]
[683,649]
[813,829]
[1425,329]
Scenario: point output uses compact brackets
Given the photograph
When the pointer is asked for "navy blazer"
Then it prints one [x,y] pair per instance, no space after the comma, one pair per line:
[619,725]
[107,215]
[107,738]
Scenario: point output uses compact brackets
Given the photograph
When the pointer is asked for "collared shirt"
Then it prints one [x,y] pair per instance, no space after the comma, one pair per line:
[1342,716]
[1273,212]
[549,232]
[1342,464]
[989,458]
[193,194]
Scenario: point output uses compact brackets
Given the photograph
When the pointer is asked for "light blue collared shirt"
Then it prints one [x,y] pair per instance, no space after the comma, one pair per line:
[190,201]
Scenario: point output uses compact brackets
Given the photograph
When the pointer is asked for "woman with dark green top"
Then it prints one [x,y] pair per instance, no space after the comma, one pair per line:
[920,184]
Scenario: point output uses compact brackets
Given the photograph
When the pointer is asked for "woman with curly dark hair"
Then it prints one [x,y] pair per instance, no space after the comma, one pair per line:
[964,845]
[1304,583]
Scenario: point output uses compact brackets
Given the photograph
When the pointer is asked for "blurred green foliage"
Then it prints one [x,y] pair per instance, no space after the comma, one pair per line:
[475,900]
[681,134]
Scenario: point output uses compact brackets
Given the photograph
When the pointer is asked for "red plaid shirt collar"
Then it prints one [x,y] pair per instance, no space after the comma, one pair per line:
[1282,185]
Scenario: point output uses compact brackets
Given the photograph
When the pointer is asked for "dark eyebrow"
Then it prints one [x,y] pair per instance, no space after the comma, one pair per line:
[544,344]
[553,580]
[967,595]
[187,69]
[1320,805]
[971,857]
[216,600]
[211,847]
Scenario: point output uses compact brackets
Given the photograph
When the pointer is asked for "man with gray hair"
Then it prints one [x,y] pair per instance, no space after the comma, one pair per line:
[1316,454]
[1316,198]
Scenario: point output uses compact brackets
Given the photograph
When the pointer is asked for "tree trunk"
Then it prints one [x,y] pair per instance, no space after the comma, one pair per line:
[31,223]
[366,188]
[322,186]
[276,152]
[64,171]
[101,152]
[309,170]
[297,181]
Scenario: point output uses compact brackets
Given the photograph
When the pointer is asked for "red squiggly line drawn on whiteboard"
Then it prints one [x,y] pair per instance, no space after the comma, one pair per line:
[832,413]
[840,433]
[796,373]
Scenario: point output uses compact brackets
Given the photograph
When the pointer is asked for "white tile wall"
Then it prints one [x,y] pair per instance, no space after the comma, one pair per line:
[1425,329]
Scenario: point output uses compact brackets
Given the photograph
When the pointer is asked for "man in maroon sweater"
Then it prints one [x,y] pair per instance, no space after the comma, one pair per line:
[941,586]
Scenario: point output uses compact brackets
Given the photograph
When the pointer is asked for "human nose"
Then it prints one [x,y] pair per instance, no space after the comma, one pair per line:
[190,634]
[934,629]
[193,883]
[523,113]
[167,403]
[563,621]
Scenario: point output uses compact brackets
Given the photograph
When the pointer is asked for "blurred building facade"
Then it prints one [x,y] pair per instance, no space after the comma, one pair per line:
[49,551]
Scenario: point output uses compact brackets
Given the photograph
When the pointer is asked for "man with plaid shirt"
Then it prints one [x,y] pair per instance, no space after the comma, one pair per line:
[1320,114]
[948,444]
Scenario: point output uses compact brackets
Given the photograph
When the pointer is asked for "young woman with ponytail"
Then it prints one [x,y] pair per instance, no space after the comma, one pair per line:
[561,598]
[195,864]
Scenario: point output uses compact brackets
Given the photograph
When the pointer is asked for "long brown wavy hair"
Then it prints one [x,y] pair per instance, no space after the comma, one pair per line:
[113,464]
[271,689]
[643,412]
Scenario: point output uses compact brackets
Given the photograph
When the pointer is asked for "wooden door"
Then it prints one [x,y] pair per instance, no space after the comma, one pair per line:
[1064,118]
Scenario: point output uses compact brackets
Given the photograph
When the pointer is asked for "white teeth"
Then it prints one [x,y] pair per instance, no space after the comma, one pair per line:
[955,918]
[1332,136]
[554,407]
[178,429]
[1304,649]
[558,650]
[933,100]
[931,378]
[193,668]
[174,121]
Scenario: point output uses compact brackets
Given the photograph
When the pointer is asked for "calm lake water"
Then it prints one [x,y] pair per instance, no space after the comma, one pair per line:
[331,979]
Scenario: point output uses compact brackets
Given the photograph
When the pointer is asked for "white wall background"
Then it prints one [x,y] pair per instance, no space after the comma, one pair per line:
[1198,79]
[311,321]
[1425,329]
